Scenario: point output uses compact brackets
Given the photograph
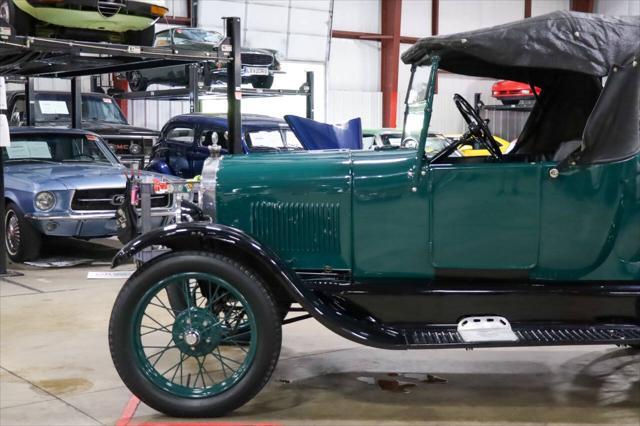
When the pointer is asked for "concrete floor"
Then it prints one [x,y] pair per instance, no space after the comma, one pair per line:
[55,369]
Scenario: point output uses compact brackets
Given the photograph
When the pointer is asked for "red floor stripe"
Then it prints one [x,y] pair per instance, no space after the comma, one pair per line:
[129,411]
[131,407]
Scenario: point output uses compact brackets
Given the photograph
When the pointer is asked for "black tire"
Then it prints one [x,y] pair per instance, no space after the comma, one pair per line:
[141,38]
[510,102]
[137,83]
[262,82]
[22,23]
[257,296]
[22,241]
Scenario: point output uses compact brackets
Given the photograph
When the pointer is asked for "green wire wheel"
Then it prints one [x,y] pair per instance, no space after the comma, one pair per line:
[205,357]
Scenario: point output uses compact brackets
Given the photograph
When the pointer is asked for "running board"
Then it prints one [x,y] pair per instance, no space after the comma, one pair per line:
[528,335]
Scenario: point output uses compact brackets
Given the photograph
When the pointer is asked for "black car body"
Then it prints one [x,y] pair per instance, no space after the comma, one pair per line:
[258,65]
[100,114]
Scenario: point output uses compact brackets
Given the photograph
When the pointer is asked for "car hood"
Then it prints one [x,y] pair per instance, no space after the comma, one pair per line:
[106,129]
[73,176]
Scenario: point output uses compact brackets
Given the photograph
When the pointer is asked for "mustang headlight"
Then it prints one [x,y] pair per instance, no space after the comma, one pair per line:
[45,201]
[135,149]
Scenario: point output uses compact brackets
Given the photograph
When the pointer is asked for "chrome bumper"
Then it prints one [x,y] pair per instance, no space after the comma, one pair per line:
[93,215]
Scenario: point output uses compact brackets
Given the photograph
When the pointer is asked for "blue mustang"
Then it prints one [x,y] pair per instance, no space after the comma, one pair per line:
[64,182]
[184,140]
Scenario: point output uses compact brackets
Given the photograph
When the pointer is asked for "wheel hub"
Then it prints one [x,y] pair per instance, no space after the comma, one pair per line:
[197,331]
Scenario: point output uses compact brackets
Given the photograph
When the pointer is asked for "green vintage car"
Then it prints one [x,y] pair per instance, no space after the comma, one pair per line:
[123,21]
[397,249]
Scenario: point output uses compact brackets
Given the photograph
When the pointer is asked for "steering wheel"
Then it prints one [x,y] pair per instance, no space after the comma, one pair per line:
[478,128]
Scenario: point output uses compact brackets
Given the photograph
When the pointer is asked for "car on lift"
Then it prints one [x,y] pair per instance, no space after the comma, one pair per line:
[121,21]
[185,139]
[100,114]
[512,92]
[397,249]
[64,183]
[259,66]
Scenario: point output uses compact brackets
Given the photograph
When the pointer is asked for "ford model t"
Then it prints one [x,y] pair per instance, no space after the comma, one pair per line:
[399,249]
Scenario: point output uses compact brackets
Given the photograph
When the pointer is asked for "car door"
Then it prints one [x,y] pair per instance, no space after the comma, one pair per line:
[199,151]
[179,139]
[484,217]
[582,218]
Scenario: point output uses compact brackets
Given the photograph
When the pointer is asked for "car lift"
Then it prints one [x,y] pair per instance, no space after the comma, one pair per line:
[43,57]
[194,94]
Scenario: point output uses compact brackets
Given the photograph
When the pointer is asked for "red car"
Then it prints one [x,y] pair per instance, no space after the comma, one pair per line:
[512,92]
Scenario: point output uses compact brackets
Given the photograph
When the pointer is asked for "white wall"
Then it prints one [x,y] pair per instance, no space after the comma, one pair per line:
[618,7]
[354,65]
[299,29]
[540,7]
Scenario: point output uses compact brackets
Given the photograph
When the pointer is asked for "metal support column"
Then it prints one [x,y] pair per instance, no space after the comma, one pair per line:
[30,103]
[76,103]
[234,89]
[194,102]
[310,96]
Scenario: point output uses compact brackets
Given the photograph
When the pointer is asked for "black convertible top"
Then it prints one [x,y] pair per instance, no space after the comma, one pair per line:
[522,50]
[567,54]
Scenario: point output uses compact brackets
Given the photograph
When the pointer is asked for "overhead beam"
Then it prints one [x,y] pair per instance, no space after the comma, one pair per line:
[587,6]
[391,17]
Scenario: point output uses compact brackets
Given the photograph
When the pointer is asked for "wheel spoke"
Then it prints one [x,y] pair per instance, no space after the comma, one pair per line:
[164,327]
[171,311]
[153,330]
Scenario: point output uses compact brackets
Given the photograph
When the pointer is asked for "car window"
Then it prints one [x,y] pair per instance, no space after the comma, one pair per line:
[393,139]
[180,134]
[18,113]
[368,141]
[291,140]
[57,148]
[162,39]
[265,139]
[195,35]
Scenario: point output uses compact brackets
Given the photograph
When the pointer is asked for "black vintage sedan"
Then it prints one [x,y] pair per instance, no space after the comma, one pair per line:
[258,65]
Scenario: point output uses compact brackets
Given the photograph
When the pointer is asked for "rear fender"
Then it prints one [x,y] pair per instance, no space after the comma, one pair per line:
[159,166]
[335,313]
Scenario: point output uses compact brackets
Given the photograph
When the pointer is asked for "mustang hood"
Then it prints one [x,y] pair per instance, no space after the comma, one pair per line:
[73,176]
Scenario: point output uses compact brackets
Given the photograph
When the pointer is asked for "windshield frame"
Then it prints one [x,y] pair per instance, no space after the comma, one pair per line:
[428,108]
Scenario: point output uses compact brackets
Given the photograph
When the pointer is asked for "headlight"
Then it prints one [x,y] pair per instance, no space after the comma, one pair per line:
[279,56]
[135,149]
[45,201]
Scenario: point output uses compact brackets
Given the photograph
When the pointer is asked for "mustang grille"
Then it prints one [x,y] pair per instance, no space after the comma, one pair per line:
[108,8]
[109,199]
[256,59]
[297,227]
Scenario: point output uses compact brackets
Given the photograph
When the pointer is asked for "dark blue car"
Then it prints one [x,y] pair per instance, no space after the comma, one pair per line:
[184,140]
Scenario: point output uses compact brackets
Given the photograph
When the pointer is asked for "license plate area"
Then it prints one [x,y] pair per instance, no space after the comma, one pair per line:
[256,70]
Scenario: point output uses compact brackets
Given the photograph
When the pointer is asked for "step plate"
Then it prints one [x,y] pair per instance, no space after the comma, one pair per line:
[530,336]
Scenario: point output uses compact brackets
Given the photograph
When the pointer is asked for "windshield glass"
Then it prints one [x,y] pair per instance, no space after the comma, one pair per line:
[57,149]
[415,105]
[56,107]
[194,35]
[272,139]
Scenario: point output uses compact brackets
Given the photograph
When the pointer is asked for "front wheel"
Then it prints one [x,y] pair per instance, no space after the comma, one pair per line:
[137,82]
[21,22]
[204,359]
[22,240]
